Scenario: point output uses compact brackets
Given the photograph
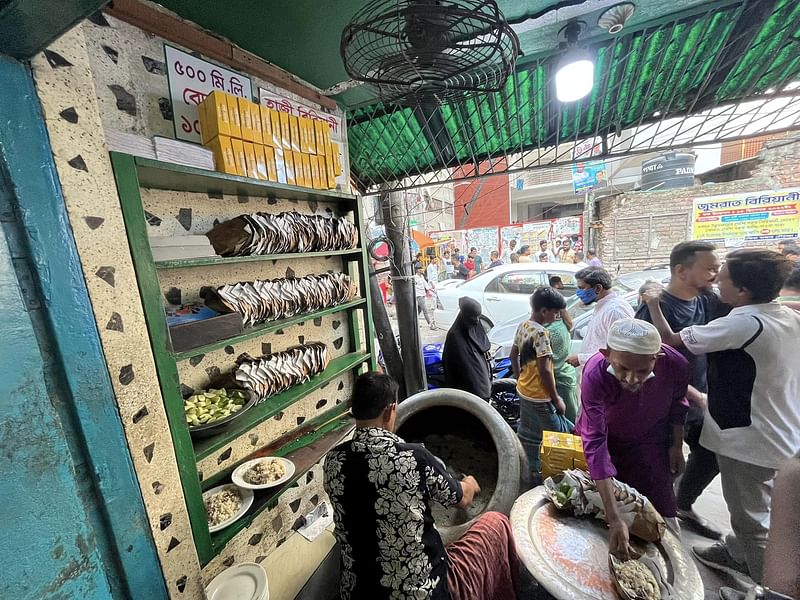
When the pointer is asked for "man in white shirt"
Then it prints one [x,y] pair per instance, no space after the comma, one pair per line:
[594,285]
[752,418]
[507,252]
[433,271]
[543,249]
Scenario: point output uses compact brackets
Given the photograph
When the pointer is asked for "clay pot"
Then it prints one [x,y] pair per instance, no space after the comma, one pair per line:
[473,439]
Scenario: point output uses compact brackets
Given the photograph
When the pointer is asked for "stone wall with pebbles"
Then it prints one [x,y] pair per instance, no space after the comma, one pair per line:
[105,74]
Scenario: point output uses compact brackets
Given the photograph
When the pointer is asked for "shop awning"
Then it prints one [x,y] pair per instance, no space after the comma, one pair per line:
[422,240]
[722,55]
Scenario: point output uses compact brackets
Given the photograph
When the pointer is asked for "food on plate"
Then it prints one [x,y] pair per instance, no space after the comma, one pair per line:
[265,471]
[637,580]
[563,493]
[212,405]
[222,505]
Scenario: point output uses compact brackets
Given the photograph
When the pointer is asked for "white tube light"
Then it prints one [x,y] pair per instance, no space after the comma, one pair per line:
[574,75]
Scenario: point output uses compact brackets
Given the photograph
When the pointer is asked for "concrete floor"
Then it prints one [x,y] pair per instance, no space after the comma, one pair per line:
[710,505]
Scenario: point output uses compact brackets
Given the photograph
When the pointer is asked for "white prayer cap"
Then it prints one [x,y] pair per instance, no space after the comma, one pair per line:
[635,336]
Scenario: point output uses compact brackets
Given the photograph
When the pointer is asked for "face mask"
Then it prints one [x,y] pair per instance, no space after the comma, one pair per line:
[586,296]
[610,370]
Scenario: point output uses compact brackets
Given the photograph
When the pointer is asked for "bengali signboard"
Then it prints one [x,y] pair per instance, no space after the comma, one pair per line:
[736,219]
[298,109]
[191,79]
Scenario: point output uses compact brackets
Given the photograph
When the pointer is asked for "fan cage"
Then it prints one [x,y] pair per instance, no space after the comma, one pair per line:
[430,49]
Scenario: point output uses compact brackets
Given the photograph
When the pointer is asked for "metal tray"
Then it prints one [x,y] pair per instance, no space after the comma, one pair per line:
[568,555]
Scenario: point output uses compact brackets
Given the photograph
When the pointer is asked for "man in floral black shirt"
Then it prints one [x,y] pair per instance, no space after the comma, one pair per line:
[381,489]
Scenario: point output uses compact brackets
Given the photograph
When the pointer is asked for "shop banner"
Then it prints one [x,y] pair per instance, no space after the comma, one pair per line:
[588,176]
[190,80]
[736,219]
[338,127]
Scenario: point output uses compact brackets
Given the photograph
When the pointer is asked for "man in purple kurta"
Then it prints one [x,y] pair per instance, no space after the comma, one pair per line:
[633,396]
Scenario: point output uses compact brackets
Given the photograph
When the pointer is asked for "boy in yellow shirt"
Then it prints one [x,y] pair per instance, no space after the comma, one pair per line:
[541,408]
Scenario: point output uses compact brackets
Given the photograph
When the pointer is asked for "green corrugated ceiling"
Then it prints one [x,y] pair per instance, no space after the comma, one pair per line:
[675,67]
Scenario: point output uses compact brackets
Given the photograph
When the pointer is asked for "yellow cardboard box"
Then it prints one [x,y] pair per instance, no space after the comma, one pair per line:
[280,164]
[240,157]
[246,118]
[213,113]
[233,115]
[561,451]
[306,160]
[299,173]
[261,162]
[266,126]
[294,131]
[272,169]
[329,159]
[323,135]
[224,159]
[337,163]
[316,182]
[286,133]
[250,158]
[255,117]
[288,161]
[306,135]
[275,118]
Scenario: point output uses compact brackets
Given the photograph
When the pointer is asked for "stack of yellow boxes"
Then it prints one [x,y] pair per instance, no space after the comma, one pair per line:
[254,141]
[561,451]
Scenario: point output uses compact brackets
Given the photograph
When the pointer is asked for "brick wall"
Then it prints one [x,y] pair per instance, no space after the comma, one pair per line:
[640,228]
[482,202]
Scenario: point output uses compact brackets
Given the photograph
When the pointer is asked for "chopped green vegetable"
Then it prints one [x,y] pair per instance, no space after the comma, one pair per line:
[213,405]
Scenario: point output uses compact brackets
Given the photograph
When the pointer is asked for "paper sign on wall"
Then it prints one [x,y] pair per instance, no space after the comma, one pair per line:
[191,79]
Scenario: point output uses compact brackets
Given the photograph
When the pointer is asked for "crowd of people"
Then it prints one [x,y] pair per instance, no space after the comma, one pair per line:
[706,360]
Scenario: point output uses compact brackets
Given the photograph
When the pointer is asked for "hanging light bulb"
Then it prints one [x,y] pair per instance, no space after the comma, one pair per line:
[575,68]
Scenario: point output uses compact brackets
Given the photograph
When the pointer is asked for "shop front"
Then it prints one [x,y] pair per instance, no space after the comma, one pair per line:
[105,223]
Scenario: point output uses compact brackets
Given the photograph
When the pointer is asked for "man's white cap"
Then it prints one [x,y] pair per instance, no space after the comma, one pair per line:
[635,336]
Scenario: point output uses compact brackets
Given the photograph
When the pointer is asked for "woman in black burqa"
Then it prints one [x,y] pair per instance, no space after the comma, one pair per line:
[465,356]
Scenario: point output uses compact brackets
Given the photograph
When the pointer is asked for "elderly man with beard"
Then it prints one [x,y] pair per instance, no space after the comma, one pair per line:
[633,394]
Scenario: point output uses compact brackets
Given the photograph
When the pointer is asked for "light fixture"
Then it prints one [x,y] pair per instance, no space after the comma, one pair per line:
[575,68]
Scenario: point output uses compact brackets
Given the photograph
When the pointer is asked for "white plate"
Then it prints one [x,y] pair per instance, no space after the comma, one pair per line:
[238,474]
[246,581]
[247,501]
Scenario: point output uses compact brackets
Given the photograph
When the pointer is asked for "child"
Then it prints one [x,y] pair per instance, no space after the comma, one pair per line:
[541,408]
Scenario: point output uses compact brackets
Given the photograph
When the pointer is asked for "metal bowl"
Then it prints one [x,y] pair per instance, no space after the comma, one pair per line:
[207,430]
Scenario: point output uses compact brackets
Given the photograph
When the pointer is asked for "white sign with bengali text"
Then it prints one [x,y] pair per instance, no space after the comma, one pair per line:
[191,79]
[338,126]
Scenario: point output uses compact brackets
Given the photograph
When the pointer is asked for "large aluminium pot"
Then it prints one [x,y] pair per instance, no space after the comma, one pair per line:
[471,438]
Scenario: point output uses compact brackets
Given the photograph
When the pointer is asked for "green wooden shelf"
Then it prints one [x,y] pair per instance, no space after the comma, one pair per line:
[305,443]
[272,406]
[304,452]
[266,328]
[159,175]
[209,261]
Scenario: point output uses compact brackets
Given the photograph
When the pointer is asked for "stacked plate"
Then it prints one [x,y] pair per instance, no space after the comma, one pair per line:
[259,301]
[275,373]
[264,233]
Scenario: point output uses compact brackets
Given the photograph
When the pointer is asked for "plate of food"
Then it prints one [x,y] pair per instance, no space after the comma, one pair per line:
[638,579]
[212,411]
[225,504]
[263,473]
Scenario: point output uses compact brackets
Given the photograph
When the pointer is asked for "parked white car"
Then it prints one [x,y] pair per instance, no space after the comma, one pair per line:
[504,292]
